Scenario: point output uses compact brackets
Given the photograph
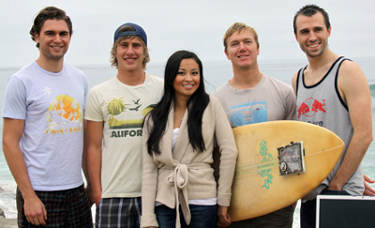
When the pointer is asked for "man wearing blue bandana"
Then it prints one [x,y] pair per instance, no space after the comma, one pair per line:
[114,113]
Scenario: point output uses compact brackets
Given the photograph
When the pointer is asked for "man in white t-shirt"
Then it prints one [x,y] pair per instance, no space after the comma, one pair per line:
[115,113]
[43,130]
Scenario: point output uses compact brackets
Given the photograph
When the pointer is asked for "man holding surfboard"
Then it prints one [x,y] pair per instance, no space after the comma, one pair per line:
[252,97]
[332,92]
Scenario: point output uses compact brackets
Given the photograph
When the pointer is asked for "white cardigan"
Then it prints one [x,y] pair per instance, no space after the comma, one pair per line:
[187,174]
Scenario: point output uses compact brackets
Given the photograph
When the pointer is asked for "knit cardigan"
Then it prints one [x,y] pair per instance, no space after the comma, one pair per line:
[173,178]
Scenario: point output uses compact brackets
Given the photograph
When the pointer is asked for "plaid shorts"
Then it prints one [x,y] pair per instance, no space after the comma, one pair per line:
[118,212]
[67,208]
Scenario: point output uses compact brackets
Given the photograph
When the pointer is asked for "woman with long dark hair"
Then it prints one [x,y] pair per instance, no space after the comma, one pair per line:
[179,187]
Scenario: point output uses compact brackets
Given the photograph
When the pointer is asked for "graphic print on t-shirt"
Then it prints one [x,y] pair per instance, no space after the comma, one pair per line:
[64,115]
[125,115]
[253,112]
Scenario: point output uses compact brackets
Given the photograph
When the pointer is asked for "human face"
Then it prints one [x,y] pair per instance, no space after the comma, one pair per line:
[53,39]
[130,54]
[312,34]
[187,79]
[242,49]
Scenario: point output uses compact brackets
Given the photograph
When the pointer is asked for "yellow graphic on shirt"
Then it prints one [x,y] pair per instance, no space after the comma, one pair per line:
[115,106]
[64,115]
[126,115]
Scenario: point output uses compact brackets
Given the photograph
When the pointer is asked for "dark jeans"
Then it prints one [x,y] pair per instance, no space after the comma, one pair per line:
[308,209]
[282,218]
[201,216]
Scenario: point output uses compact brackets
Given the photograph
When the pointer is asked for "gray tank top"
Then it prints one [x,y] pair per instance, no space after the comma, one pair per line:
[321,104]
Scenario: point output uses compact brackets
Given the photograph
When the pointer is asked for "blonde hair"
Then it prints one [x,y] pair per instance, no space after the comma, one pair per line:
[239,27]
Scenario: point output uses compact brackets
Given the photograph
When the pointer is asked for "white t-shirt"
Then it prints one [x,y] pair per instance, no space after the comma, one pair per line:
[122,108]
[51,104]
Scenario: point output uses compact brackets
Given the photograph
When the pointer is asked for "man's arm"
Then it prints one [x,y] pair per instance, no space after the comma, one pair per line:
[84,153]
[354,89]
[34,209]
[94,135]
[84,159]
[294,83]
[290,105]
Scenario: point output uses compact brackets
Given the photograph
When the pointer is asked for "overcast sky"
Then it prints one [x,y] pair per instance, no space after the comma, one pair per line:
[196,25]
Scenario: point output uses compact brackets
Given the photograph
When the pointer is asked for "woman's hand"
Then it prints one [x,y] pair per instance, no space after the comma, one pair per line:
[224,219]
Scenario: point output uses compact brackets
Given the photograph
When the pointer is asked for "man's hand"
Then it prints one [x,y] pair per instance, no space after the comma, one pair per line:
[224,219]
[35,211]
[95,194]
[88,192]
[368,190]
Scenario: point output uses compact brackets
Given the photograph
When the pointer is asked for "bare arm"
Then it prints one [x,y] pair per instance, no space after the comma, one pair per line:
[34,209]
[84,160]
[294,83]
[94,135]
[84,153]
[353,87]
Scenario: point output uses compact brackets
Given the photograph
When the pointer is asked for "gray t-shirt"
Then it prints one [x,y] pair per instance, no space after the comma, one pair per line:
[269,100]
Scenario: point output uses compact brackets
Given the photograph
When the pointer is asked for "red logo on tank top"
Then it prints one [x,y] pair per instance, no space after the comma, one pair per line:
[311,106]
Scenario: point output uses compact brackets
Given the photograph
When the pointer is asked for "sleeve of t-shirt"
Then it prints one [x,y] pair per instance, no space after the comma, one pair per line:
[93,107]
[86,88]
[15,99]
[291,107]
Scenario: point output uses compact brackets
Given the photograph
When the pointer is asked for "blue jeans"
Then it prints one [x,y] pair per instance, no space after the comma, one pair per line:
[308,209]
[201,216]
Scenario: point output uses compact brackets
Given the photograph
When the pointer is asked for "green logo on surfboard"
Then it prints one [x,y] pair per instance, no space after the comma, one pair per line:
[266,165]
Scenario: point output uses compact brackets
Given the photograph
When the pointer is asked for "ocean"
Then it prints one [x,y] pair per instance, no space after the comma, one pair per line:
[216,74]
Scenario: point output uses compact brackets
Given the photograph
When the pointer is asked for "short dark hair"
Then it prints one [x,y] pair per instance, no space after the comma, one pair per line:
[49,13]
[310,10]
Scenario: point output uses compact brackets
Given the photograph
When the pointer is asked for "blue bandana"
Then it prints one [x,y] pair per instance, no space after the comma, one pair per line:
[138,32]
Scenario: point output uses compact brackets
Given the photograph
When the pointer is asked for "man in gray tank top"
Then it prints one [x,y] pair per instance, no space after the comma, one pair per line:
[332,92]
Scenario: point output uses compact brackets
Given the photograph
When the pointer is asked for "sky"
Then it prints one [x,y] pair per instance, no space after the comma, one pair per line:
[195,25]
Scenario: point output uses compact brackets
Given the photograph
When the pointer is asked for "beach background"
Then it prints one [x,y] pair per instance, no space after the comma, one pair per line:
[196,25]
[216,74]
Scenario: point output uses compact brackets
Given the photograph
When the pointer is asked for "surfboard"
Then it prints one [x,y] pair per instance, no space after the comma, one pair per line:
[278,163]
